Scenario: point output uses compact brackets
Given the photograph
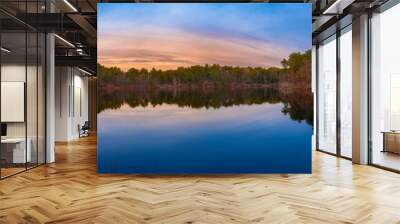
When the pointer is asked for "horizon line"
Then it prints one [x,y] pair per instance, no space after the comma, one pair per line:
[203,65]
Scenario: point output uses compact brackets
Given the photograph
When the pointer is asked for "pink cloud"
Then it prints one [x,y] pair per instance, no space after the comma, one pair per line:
[164,48]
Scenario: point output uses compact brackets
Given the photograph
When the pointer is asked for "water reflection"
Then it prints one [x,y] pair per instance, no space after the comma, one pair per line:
[296,102]
[247,130]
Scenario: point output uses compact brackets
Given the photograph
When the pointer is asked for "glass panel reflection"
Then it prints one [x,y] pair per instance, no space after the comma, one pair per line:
[15,151]
[385,89]
[327,95]
[346,93]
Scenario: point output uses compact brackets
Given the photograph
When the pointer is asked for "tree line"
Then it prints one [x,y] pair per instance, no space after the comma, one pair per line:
[295,68]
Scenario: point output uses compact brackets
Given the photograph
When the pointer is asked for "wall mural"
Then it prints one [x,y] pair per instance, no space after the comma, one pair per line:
[204,88]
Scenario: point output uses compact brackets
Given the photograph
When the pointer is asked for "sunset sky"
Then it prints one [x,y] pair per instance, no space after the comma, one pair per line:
[166,36]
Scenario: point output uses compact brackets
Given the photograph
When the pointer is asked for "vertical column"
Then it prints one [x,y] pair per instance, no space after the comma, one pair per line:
[360,90]
[50,92]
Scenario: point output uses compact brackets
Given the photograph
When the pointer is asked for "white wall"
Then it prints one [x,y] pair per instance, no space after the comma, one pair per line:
[13,100]
[71,94]
[62,82]
[80,109]
[12,73]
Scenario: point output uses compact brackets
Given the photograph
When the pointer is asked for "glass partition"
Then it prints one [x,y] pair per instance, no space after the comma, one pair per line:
[13,111]
[22,92]
[346,92]
[385,89]
[327,95]
[31,99]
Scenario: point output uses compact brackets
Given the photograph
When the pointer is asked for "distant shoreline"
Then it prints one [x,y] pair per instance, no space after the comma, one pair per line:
[205,86]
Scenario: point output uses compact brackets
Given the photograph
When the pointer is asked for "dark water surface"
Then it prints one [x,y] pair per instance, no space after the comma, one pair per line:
[185,133]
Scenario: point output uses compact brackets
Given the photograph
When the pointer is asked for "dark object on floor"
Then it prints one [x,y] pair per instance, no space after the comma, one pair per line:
[84,130]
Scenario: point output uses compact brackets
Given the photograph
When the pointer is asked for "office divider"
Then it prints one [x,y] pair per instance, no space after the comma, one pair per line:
[22,77]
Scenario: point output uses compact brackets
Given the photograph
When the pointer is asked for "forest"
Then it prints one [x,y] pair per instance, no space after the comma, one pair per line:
[295,68]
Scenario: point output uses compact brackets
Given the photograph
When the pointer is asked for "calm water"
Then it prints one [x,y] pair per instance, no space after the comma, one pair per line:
[170,139]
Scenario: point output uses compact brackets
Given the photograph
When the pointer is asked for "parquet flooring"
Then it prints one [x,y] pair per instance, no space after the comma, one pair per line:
[10,171]
[70,191]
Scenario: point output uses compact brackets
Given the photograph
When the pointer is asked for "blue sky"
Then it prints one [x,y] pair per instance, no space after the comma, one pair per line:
[166,35]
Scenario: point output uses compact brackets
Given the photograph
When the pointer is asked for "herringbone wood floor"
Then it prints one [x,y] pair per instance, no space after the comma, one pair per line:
[70,191]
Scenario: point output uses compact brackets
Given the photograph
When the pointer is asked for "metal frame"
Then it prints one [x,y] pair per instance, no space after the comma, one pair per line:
[338,98]
[369,77]
[26,89]
[316,97]
[338,152]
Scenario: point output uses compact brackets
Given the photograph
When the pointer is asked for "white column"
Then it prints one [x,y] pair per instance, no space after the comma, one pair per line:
[50,92]
[50,98]
[360,90]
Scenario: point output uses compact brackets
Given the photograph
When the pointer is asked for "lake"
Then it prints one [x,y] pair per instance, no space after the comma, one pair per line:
[227,132]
